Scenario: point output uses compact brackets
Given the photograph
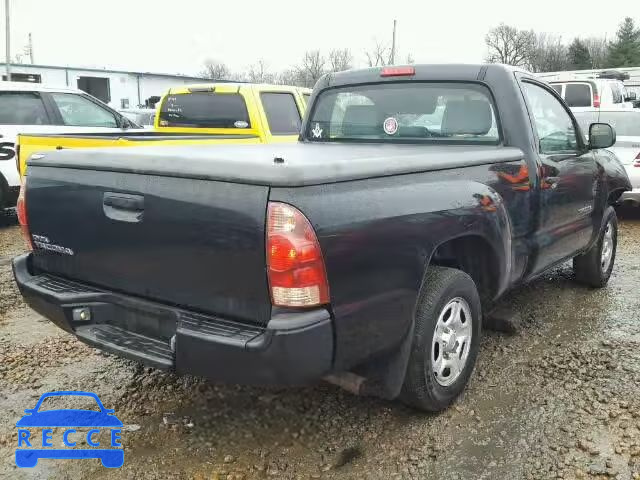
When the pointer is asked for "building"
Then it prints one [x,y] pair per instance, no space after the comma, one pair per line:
[118,88]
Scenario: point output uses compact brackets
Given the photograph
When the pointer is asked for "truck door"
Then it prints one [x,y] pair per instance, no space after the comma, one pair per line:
[566,191]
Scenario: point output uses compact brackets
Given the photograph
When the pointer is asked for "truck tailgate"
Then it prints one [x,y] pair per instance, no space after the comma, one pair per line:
[188,242]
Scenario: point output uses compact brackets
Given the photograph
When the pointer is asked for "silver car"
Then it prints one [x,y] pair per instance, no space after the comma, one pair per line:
[627,147]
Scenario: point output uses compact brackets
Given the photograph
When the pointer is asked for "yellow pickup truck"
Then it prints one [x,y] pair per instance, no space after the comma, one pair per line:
[196,114]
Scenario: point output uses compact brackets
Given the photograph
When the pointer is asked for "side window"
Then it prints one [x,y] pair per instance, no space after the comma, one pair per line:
[79,111]
[553,124]
[282,113]
[22,108]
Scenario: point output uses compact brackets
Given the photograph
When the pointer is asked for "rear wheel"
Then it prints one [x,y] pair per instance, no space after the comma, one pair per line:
[445,340]
[594,267]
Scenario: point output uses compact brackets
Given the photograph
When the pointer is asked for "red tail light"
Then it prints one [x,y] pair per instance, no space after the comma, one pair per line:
[397,71]
[295,267]
[21,207]
[637,162]
[596,100]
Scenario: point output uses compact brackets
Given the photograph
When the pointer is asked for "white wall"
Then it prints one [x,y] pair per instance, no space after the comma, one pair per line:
[121,85]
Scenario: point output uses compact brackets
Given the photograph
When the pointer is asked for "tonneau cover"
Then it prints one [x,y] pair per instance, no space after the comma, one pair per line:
[278,165]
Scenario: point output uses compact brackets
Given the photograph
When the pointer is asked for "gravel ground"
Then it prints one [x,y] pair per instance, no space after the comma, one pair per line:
[559,399]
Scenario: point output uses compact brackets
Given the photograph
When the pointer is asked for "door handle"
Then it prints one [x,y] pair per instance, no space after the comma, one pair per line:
[123,207]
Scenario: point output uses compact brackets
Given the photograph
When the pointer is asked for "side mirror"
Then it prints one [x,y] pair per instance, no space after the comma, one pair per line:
[601,135]
[631,97]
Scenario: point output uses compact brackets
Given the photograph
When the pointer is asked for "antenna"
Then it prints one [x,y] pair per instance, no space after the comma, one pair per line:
[8,40]
[393,44]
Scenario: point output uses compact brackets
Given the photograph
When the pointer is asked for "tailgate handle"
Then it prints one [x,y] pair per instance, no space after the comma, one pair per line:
[123,207]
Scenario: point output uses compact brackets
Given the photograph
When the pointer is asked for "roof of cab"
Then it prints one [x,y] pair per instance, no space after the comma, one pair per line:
[444,72]
[227,86]
[35,87]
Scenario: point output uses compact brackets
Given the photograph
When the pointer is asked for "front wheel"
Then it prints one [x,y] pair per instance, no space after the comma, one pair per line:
[594,267]
[445,340]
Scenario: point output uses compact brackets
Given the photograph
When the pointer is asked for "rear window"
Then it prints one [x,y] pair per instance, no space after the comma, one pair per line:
[578,95]
[282,113]
[22,108]
[205,110]
[405,112]
[557,87]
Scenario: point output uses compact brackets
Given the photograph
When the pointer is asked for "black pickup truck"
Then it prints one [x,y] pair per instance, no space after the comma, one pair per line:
[366,253]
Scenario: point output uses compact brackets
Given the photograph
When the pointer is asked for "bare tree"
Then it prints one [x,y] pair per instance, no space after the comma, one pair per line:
[312,68]
[410,59]
[598,51]
[258,73]
[509,45]
[379,55]
[548,54]
[291,76]
[340,60]
[215,70]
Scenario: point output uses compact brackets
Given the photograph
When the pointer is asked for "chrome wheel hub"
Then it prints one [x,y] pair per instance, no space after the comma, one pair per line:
[451,341]
[606,253]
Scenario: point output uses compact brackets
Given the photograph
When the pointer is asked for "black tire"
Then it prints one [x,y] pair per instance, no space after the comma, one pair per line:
[588,267]
[421,389]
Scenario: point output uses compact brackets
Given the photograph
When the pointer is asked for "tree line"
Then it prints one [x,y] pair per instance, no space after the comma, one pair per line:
[542,52]
[312,65]
[537,52]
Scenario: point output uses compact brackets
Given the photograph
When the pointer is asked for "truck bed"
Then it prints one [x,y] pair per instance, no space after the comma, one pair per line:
[279,165]
[34,143]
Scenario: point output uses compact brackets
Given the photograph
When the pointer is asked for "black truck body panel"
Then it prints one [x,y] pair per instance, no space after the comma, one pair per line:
[189,229]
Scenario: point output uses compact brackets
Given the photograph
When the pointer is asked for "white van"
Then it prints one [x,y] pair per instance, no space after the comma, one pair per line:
[594,93]
[35,108]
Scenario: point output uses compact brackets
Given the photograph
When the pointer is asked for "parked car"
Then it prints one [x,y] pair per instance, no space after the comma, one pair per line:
[594,93]
[27,107]
[145,117]
[366,253]
[220,113]
[627,146]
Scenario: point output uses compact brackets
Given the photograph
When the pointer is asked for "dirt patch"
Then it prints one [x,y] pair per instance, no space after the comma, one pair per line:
[561,399]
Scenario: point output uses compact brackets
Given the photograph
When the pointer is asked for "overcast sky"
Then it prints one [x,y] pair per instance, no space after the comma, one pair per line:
[177,36]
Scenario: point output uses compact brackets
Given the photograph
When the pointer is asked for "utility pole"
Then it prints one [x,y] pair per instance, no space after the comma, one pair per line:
[30,48]
[8,40]
[393,44]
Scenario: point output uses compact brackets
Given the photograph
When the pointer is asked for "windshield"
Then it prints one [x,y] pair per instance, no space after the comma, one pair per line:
[626,124]
[204,110]
[405,112]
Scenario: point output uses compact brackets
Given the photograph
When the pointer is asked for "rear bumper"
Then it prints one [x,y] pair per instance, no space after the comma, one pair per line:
[293,348]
